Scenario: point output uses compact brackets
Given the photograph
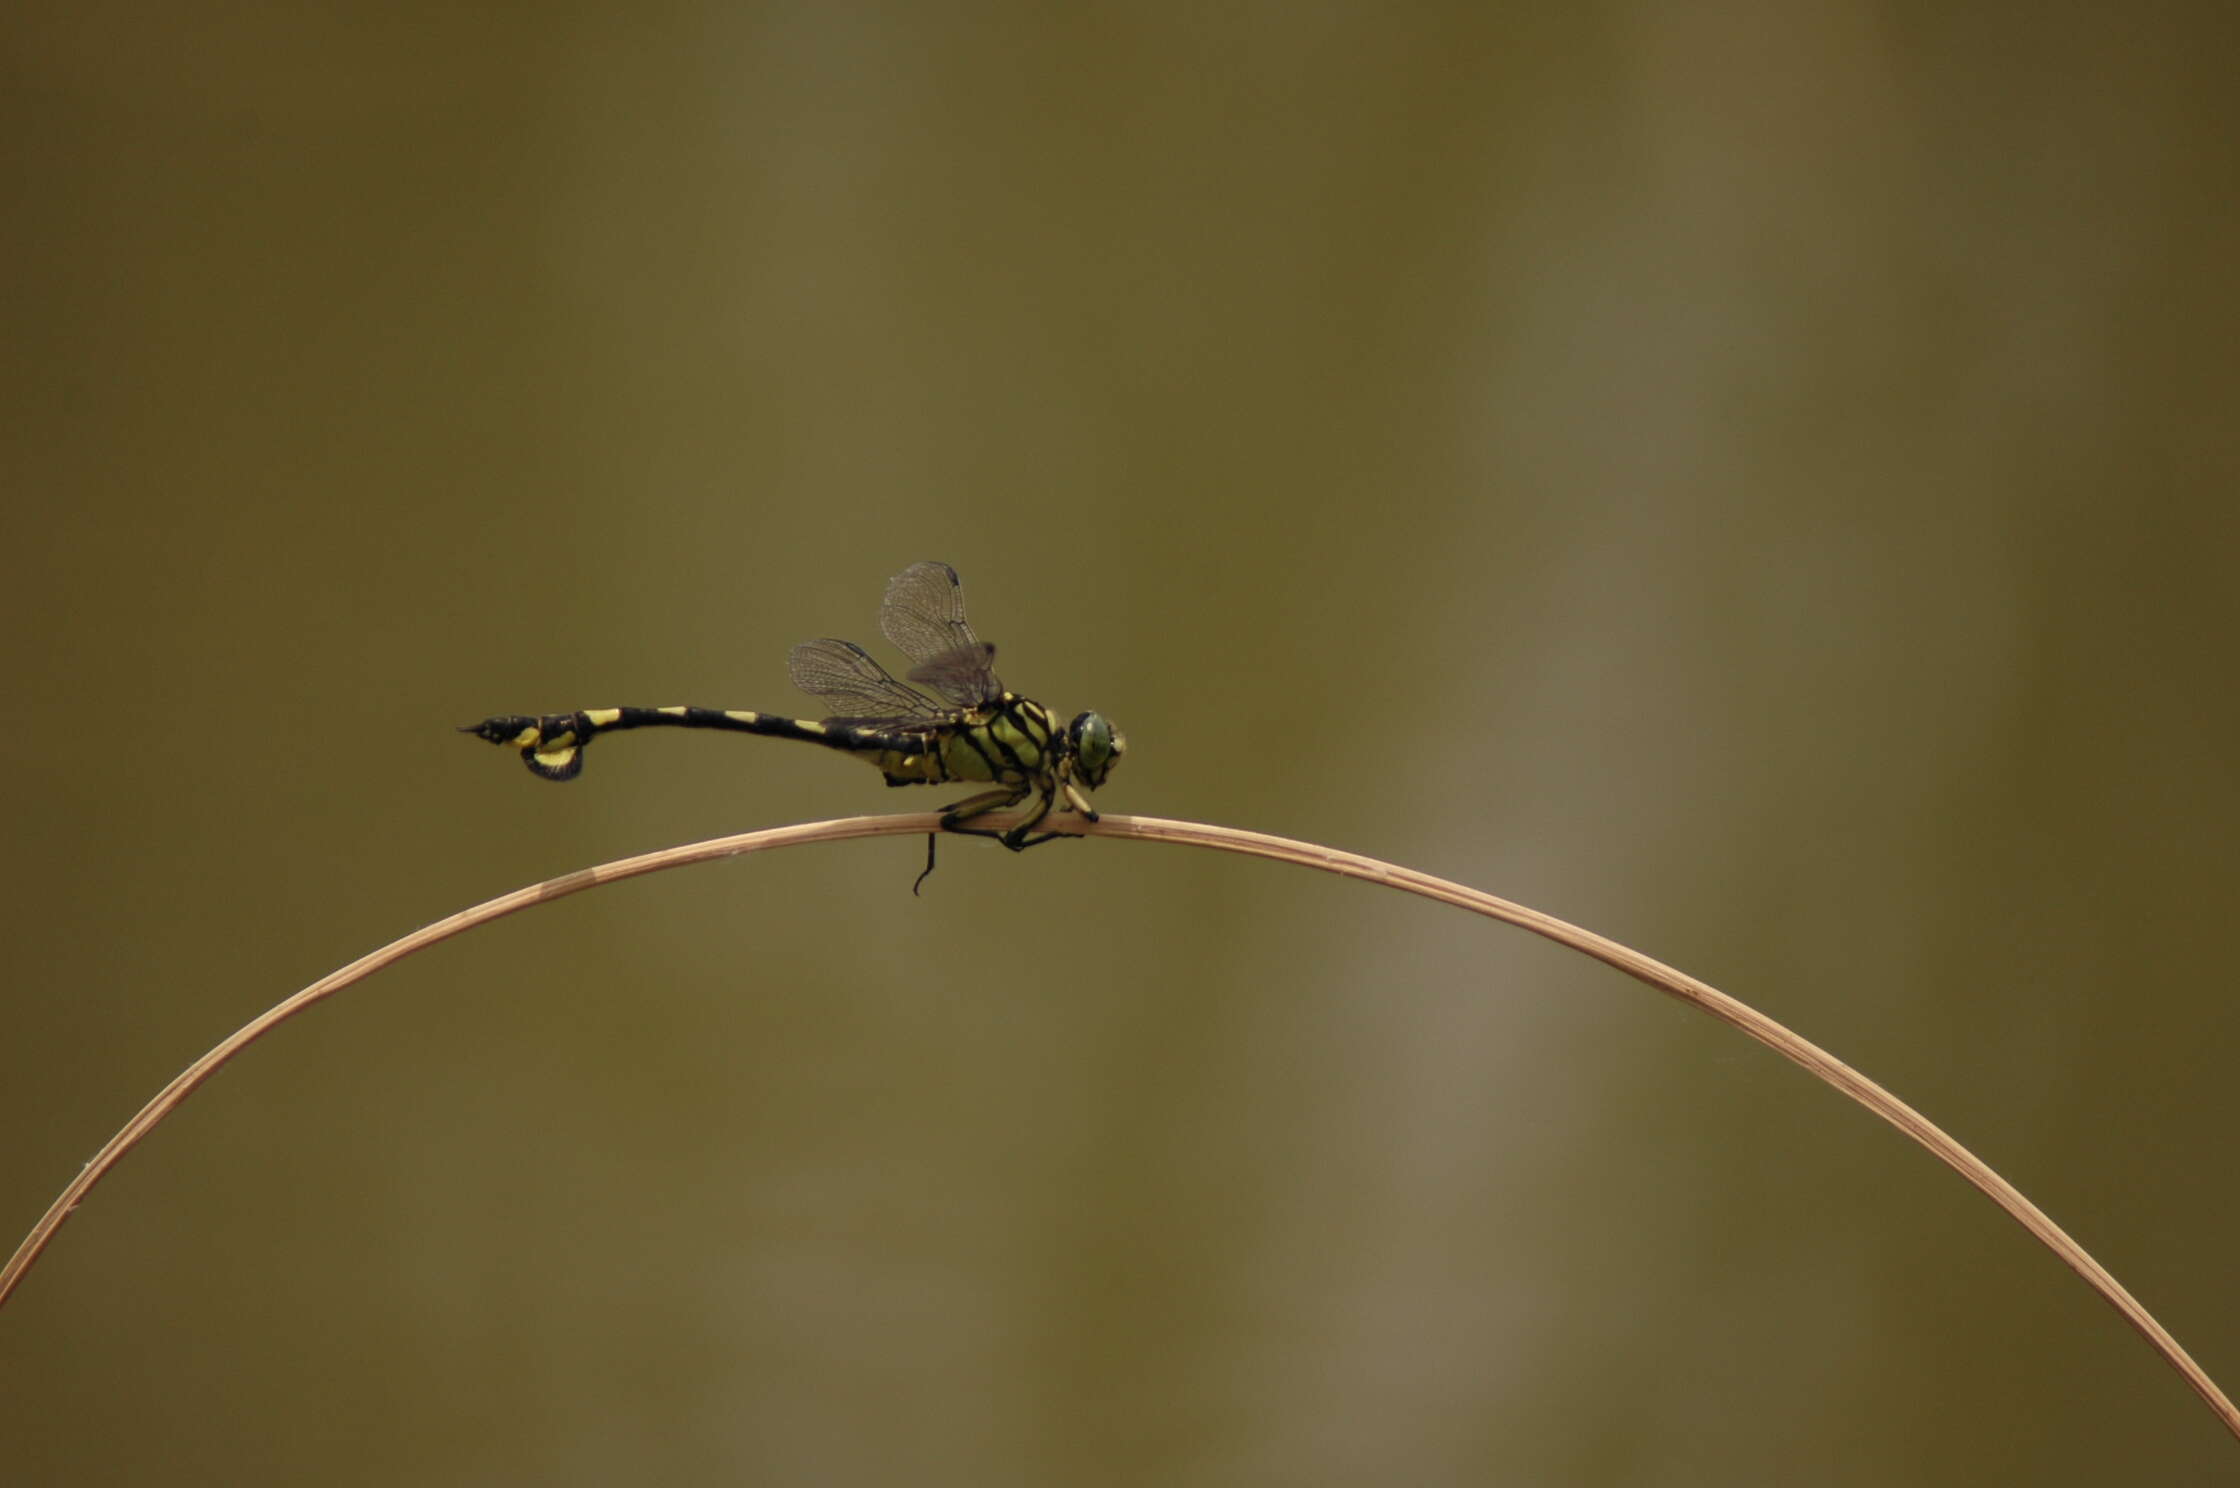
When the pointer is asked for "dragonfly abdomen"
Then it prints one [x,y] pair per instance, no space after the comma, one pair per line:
[552,744]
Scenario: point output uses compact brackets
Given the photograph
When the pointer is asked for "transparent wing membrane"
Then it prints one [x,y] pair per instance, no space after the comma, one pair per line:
[965,677]
[923,613]
[923,616]
[856,688]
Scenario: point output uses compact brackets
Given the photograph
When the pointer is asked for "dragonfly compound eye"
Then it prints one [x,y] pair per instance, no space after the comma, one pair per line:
[1097,745]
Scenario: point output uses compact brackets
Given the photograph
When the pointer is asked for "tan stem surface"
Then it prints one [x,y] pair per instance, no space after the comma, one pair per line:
[1700,995]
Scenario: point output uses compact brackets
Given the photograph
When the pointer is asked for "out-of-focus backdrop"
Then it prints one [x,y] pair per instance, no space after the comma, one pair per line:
[1755,480]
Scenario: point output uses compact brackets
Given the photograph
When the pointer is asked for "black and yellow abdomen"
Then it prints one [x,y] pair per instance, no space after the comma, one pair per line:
[552,744]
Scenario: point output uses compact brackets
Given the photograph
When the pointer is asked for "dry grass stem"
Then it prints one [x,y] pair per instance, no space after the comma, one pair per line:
[1687,989]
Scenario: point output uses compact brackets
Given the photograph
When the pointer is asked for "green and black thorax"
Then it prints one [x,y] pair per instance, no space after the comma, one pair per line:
[972,728]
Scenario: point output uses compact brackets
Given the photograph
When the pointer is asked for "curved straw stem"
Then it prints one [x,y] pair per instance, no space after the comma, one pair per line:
[1699,995]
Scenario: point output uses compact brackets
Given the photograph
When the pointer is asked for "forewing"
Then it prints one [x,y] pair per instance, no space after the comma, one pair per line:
[924,617]
[923,613]
[856,688]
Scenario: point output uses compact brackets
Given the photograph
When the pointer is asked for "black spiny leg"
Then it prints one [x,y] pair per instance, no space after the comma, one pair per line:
[1018,838]
[954,819]
[1074,799]
[1037,841]
[1022,836]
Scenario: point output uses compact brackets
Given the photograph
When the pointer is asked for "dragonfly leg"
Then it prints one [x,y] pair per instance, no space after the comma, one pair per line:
[1018,838]
[1041,837]
[1025,831]
[955,817]
[1079,802]
[1021,837]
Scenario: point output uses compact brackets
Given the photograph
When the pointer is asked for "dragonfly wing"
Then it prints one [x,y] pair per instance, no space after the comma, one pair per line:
[966,676]
[856,688]
[923,615]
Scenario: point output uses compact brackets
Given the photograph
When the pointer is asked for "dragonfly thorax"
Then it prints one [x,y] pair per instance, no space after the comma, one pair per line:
[1011,741]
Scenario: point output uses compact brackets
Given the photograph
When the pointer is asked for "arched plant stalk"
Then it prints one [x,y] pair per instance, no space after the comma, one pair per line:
[1696,994]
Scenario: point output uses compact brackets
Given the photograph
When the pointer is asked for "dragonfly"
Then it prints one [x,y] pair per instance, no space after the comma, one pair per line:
[958,722]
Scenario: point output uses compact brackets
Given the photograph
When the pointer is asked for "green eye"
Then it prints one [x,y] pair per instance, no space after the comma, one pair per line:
[1096,745]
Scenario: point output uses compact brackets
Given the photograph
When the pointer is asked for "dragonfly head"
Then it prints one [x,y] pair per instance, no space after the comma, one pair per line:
[1097,746]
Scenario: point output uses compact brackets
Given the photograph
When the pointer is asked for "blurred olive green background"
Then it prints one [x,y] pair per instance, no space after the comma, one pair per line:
[1754,480]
